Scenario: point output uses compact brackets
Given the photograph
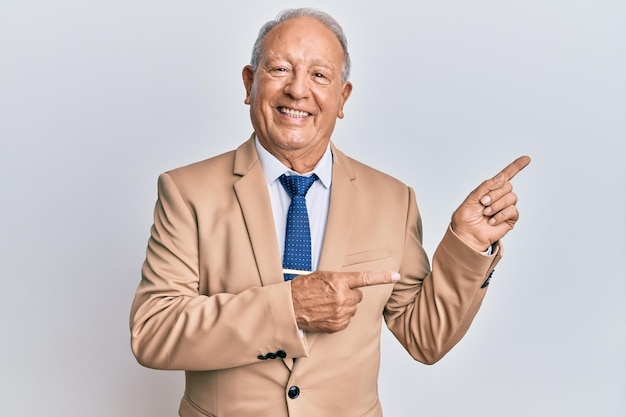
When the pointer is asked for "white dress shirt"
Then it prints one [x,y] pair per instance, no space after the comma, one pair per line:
[317,198]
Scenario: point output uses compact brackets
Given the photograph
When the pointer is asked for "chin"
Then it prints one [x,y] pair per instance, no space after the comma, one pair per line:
[294,142]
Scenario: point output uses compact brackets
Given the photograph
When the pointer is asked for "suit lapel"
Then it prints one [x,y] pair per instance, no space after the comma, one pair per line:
[256,207]
[343,198]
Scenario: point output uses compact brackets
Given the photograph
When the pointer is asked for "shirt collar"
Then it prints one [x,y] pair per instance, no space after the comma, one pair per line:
[273,168]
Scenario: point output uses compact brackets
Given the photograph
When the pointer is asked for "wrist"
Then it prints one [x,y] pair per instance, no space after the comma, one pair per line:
[470,240]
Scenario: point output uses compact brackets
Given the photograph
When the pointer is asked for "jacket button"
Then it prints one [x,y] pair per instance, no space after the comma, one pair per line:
[281,354]
[293,392]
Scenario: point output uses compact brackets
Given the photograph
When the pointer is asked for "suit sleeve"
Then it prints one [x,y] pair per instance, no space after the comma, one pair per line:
[429,311]
[173,326]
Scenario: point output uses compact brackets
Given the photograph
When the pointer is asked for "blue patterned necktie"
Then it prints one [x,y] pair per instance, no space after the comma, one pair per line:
[297,254]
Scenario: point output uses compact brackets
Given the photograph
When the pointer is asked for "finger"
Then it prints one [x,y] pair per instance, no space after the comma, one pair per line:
[499,181]
[365,279]
[512,169]
[495,194]
[509,199]
[508,215]
[356,296]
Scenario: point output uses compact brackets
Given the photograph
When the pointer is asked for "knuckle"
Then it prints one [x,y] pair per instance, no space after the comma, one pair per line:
[366,278]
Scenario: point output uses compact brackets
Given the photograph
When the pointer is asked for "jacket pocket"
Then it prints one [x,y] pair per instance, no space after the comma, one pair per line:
[367,256]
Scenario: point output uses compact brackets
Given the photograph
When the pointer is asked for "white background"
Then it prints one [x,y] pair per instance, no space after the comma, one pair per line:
[98,97]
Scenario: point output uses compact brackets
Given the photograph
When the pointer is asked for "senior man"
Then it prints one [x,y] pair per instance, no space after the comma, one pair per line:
[269,269]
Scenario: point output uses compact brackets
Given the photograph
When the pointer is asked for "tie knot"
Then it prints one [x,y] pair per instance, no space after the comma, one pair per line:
[297,185]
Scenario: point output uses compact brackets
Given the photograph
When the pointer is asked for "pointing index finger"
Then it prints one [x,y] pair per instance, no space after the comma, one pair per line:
[365,279]
[513,168]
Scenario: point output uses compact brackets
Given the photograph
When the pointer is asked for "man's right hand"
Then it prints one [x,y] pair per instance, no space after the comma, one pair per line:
[326,301]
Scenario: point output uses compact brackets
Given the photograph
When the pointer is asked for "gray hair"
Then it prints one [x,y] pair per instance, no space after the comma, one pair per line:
[289,14]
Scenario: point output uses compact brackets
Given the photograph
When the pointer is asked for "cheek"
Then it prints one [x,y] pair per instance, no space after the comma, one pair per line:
[262,101]
[334,108]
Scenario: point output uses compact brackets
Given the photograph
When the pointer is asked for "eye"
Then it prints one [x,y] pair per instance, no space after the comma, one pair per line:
[278,70]
[320,78]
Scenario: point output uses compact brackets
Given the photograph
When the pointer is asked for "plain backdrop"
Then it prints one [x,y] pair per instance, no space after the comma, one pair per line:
[99,97]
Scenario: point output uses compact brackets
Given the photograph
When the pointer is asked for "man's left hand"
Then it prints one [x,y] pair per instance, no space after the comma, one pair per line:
[489,211]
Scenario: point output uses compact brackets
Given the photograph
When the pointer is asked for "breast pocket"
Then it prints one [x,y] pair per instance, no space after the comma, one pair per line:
[369,260]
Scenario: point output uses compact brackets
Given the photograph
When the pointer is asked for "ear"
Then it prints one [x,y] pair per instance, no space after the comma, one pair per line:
[248,77]
[346,90]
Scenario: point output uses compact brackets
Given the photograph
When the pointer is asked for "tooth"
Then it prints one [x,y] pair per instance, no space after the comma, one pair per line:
[294,113]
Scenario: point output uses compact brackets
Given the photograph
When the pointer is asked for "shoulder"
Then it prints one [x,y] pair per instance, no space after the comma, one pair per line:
[225,168]
[370,174]
[202,178]
[219,164]
[365,175]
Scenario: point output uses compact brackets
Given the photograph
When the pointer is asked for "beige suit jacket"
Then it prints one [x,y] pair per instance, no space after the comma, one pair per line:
[212,300]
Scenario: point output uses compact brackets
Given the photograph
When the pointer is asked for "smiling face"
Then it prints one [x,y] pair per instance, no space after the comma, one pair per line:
[296,94]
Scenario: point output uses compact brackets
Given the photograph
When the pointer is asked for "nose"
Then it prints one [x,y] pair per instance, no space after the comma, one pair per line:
[297,85]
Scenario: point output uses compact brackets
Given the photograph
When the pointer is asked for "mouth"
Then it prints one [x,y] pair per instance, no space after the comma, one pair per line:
[293,112]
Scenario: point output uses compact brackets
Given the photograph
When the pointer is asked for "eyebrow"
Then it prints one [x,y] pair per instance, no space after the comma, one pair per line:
[288,57]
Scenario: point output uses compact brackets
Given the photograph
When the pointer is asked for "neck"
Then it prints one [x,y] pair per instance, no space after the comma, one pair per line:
[299,165]
[298,160]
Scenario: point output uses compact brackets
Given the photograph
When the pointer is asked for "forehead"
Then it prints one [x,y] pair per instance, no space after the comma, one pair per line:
[303,37]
